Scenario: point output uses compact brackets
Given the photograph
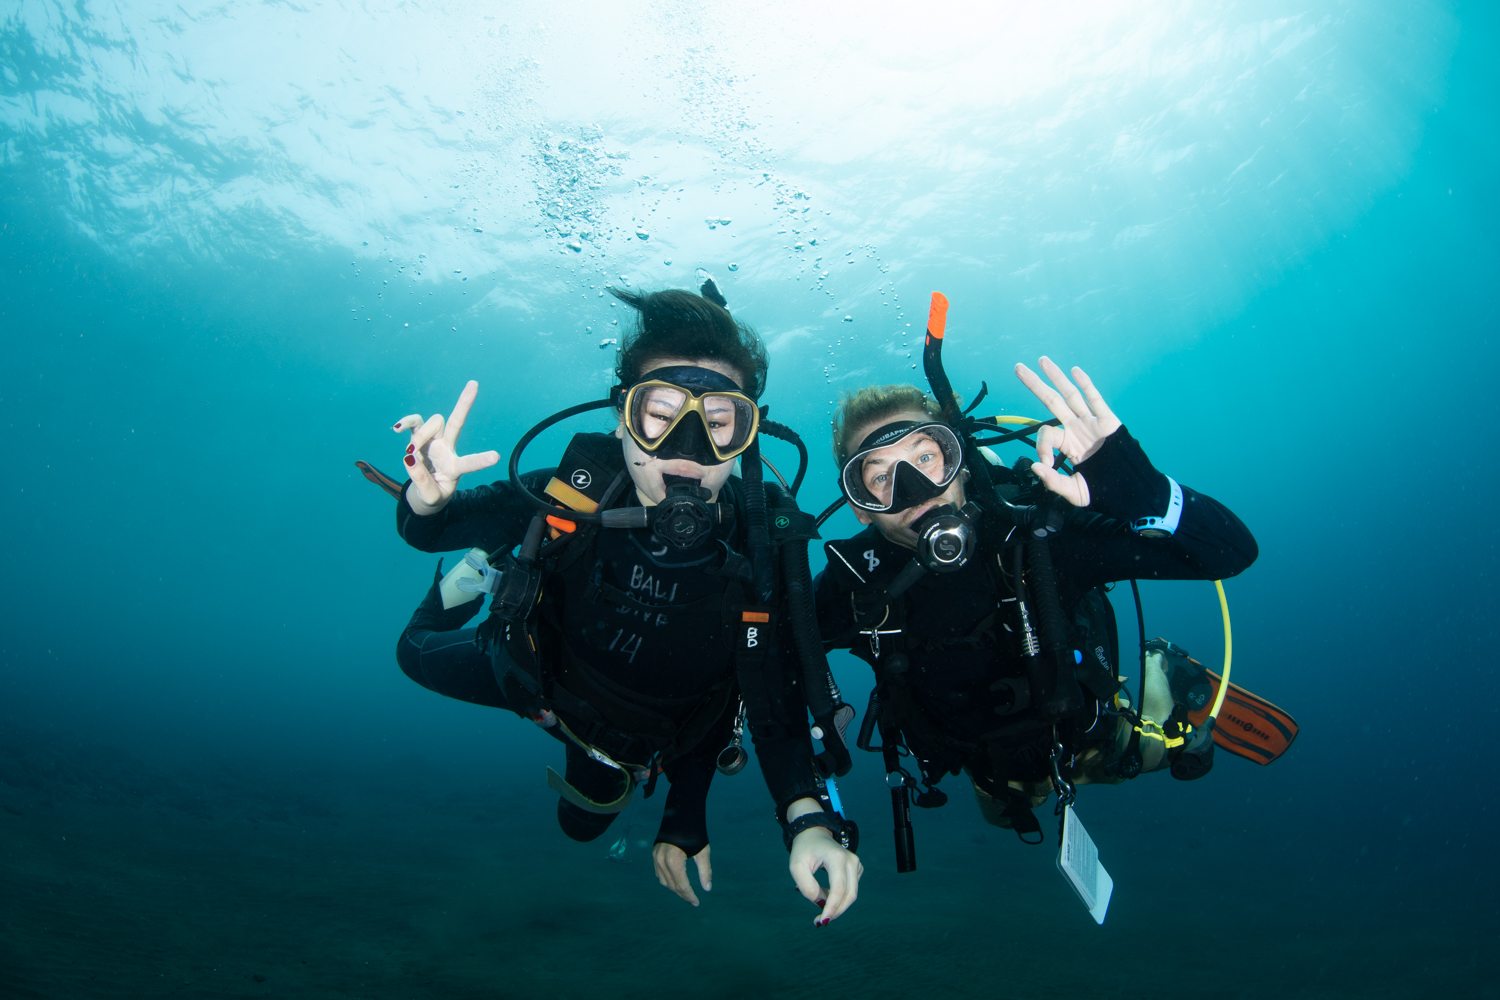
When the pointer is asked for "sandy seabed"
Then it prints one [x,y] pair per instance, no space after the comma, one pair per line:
[119,880]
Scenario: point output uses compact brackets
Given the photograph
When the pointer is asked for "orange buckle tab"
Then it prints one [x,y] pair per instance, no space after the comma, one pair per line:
[755,616]
[561,524]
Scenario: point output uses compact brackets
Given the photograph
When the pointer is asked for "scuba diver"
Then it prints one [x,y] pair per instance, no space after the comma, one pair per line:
[656,605]
[977,594]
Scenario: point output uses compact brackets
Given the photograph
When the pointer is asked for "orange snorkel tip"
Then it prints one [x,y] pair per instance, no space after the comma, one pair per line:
[937,316]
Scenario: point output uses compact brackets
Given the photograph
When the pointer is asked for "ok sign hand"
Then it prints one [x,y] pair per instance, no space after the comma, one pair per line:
[432,459]
[1086,421]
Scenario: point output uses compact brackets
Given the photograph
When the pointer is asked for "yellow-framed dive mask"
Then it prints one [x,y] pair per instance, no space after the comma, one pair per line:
[689,413]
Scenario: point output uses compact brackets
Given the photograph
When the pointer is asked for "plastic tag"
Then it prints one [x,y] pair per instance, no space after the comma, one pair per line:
[451,588]
[1078,860]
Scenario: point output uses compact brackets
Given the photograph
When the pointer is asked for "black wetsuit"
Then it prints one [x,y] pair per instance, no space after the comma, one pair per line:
[666,661]
[955,656]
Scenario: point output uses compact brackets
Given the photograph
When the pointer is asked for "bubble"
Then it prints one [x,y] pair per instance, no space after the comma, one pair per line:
[848,319]
[668,261]
[575,247]
[642,234]
[606,342]
[734,266]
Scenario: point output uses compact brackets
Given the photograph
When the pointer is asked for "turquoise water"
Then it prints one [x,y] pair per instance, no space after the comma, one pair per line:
[240,241]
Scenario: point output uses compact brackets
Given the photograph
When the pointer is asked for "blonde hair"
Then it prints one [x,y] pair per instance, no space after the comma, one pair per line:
[875,403]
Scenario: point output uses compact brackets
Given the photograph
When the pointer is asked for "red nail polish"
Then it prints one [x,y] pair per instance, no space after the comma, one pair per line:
[822,903]
[410,448]
[409,460]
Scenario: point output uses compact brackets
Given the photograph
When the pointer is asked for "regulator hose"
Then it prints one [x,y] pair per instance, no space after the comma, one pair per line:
[1061,696]
[542,503]
[784,433]
[831,717]
[757,526]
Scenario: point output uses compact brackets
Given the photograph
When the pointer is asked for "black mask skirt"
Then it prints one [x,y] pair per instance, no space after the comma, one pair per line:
[889,488]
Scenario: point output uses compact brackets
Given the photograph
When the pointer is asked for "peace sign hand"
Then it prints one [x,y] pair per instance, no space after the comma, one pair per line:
[1086,421]
[432,459]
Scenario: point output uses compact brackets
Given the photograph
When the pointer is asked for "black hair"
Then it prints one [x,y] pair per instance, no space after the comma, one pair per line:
[681,324]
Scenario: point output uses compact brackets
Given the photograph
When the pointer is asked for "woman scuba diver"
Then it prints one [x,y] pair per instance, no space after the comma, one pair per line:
[646,618]
[975,593]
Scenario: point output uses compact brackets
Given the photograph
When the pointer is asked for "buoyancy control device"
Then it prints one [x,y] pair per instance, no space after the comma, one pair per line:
[1069,664]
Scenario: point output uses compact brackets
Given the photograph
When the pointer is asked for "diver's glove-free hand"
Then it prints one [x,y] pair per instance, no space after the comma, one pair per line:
[813,849]
[671,870]
[1086,421]
[432,458]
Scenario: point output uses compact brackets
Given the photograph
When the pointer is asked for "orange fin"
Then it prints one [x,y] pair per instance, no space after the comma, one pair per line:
[1248,726]
[380,479]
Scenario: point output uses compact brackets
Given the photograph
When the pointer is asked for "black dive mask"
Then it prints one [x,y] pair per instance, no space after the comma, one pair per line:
[900,479]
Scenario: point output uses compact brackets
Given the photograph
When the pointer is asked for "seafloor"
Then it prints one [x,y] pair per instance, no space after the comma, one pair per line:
[123,879]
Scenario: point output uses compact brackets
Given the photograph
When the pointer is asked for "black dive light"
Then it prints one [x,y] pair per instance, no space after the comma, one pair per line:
[906,841]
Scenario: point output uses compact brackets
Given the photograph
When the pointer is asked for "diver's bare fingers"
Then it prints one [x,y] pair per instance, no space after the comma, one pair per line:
[671,871]
[680,883]
[1070,394]
[1073,489]
[466,464]
[461,411]
[1049,396]
[1049,440]
[1101,409]
[421,480]
[705,869]
[843,885]
[420,437]
[659,858]
[838,891]
[407,422]
[808,886]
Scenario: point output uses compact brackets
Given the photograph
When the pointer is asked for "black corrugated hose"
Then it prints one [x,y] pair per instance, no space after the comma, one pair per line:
[1065,697]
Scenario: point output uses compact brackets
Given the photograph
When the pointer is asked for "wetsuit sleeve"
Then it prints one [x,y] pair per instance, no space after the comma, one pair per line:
[437,652]
[784,747]
[492,518]
[1098,545]
[684,819]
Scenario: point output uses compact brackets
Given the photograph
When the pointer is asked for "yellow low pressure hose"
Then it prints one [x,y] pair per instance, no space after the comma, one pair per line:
[1228,653]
